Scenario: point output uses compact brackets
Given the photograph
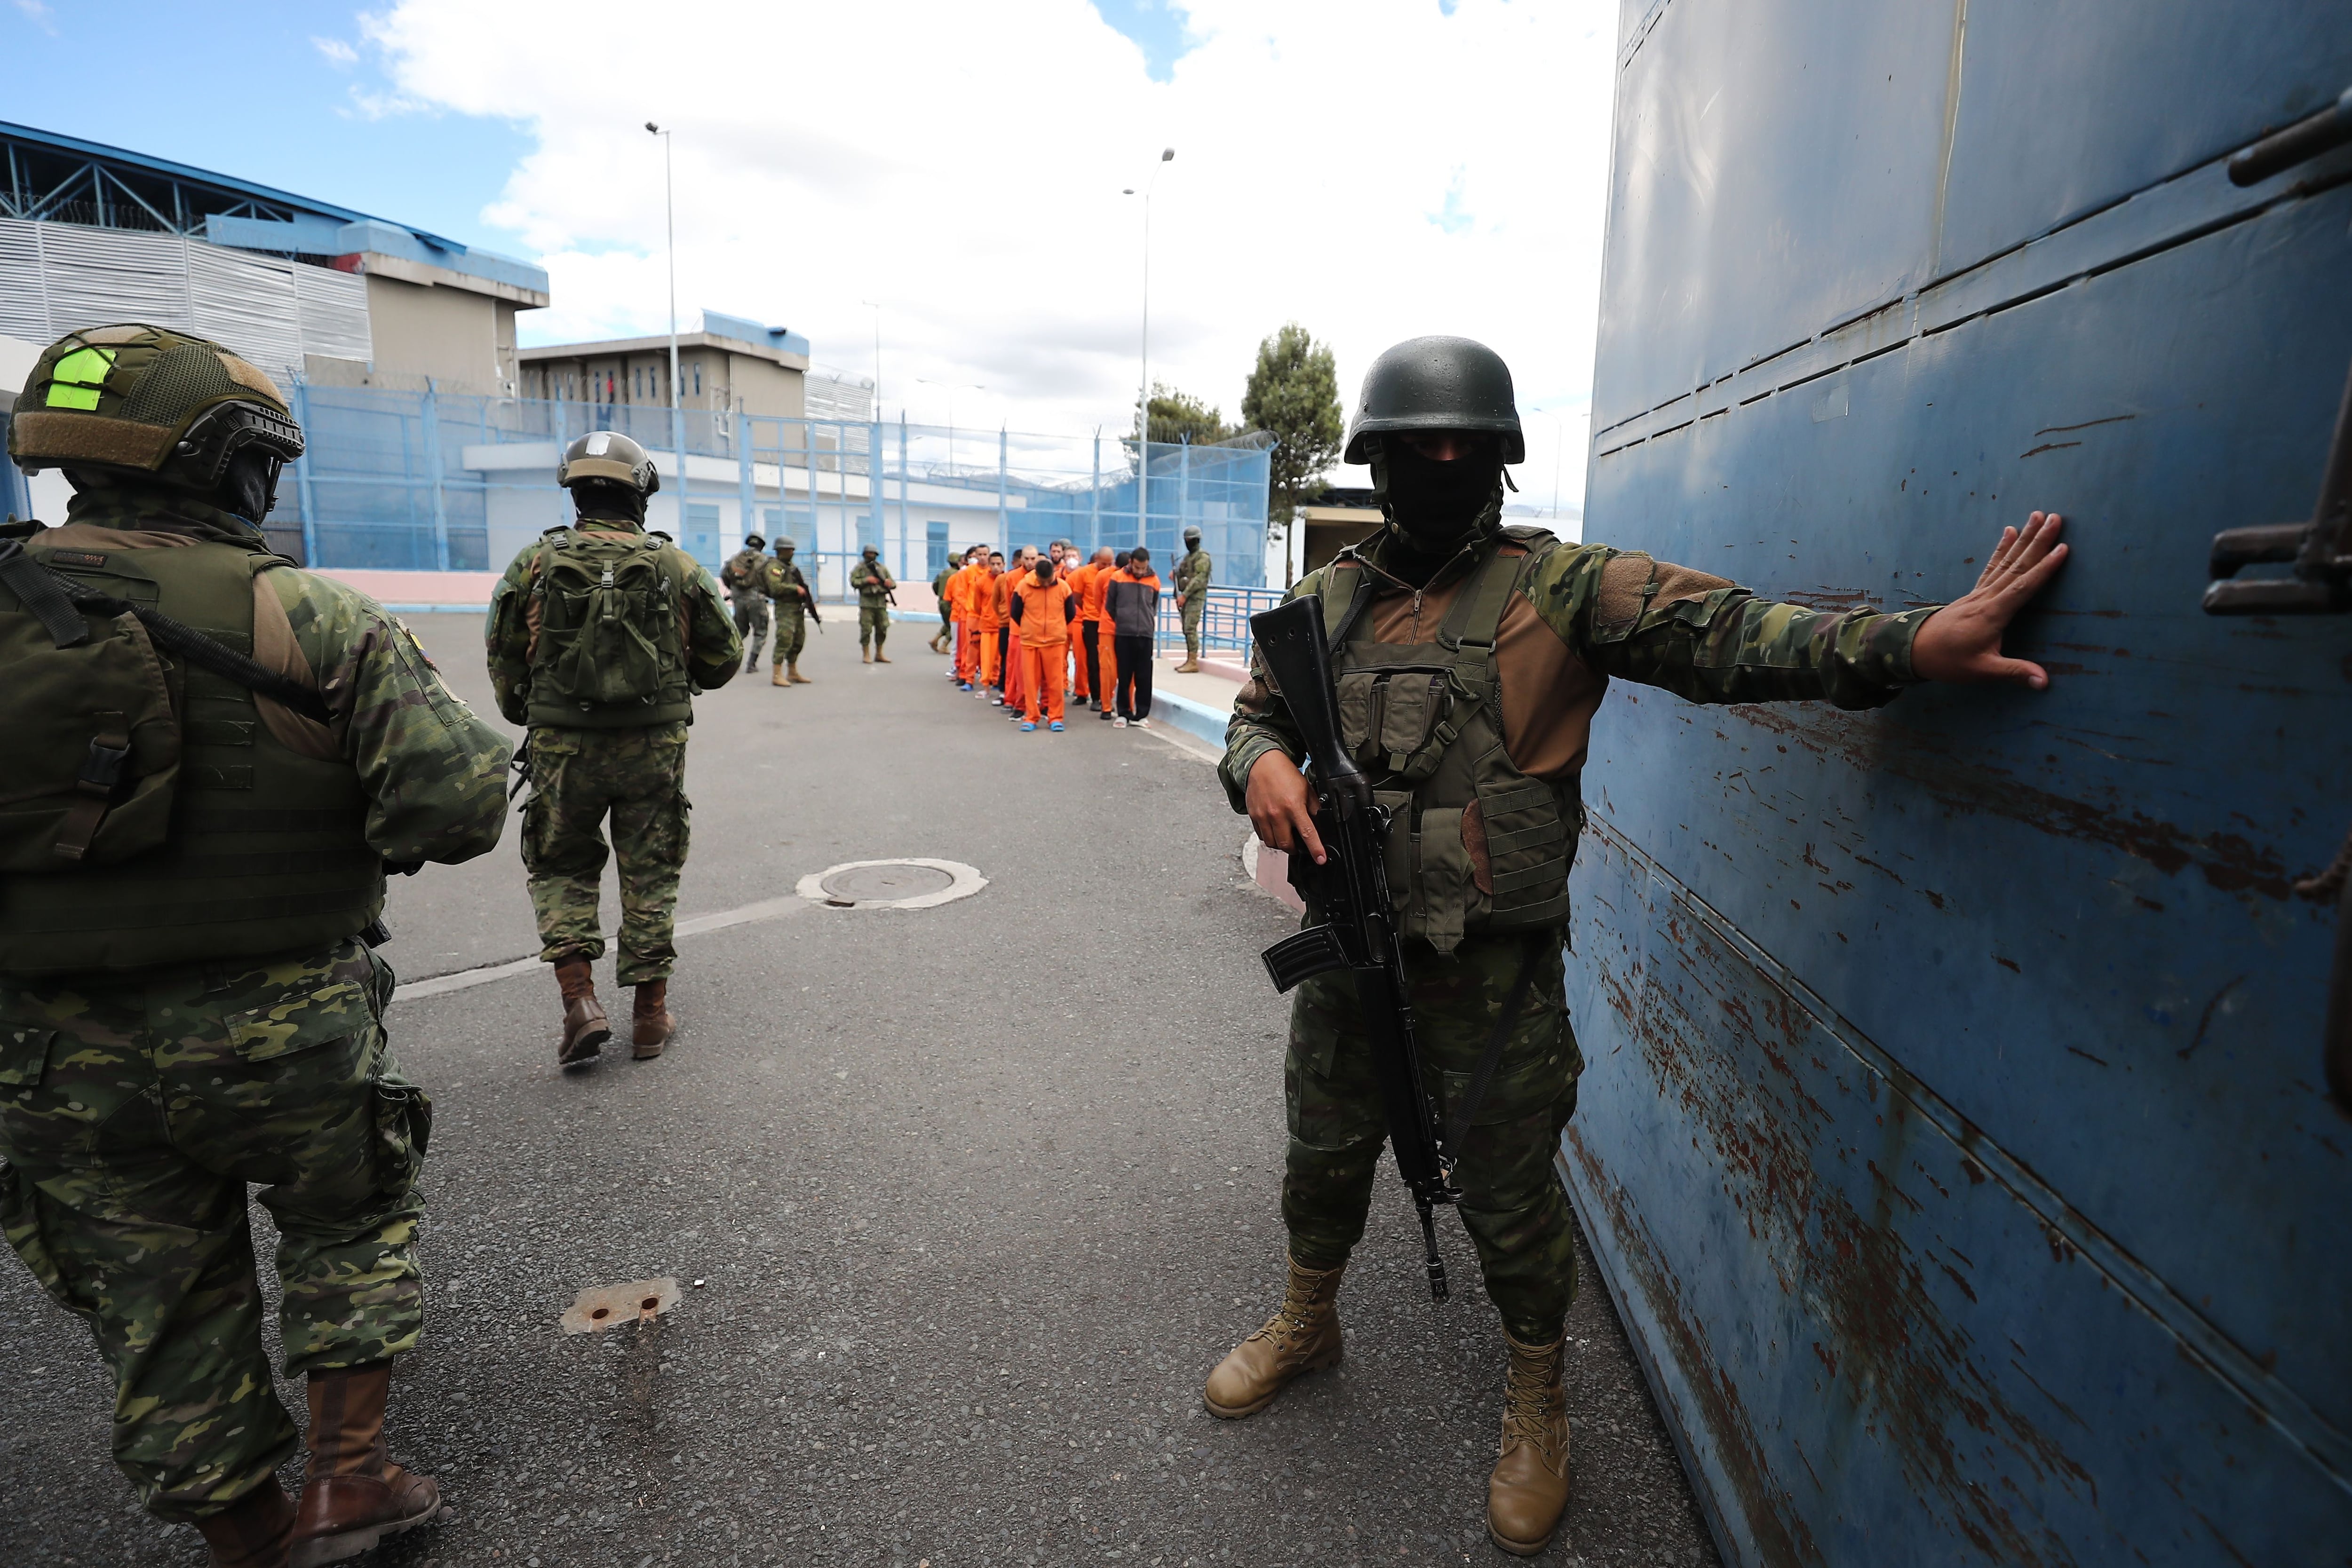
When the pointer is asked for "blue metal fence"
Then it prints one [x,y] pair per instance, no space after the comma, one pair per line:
[428,481]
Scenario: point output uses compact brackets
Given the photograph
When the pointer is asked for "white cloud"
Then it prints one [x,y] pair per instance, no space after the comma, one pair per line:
[337,51]
[39,13]
[1374,169]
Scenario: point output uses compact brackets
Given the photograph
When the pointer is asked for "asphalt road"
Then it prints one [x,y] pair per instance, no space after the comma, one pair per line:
[963,1204]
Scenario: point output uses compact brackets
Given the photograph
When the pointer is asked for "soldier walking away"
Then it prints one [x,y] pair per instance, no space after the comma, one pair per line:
[874,584]
[600,634]
[1192,597]
[795,602]
[1485,651]
[745,579]
[199,827]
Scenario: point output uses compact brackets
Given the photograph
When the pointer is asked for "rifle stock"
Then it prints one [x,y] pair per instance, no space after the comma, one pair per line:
[1351,890]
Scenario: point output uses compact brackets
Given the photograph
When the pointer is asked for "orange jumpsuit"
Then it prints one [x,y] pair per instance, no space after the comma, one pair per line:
[1045,645]
[1091,607]
[991,605]
[1010,676]
[962,599]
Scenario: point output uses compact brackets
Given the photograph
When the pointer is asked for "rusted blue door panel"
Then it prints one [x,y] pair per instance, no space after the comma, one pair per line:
[1878,1349]
[1954,1136]
[2068,105]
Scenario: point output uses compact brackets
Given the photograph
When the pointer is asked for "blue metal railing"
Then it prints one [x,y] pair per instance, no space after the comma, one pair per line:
[1225,620]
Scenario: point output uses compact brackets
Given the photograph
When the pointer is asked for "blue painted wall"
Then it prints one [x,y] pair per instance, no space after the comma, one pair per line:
[1955,1139]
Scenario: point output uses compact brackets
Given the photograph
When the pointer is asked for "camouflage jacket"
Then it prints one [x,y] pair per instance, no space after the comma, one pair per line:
[873,582]
[432,770]
[1584,613]
[743,575]
[785,585]
[1192,575]
[713,647]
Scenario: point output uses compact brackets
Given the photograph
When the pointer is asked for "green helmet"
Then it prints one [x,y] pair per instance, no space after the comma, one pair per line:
[873,549]
[754,541]
[1192,536]
[1437,383]
[785,546]
[145,400]
[608,455]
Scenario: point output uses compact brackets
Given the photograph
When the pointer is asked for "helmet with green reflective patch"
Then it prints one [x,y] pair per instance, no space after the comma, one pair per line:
[146,400]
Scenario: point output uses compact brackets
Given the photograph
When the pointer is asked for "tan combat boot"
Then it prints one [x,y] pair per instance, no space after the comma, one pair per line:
[776,676]
[879,657]
[353,1494]
[1189,667]
[1528,1489]
[584,1029]
[1303,1335]
[252,1533]
[865,657]
[651,1023]
[794,671]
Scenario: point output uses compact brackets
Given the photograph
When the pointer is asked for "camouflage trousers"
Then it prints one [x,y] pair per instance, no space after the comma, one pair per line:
[874,624]
[751,626]
[578,777]
[1189,613]
[791,631]
[134,1108]
[1513,1205]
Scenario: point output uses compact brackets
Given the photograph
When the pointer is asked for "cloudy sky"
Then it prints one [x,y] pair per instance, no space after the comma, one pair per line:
[1372,169]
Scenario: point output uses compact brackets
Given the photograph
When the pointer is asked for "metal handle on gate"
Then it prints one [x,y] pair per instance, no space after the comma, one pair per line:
[2320,550]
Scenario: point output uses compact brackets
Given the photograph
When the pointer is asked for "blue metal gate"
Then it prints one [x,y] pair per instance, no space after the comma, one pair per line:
[1955,1140]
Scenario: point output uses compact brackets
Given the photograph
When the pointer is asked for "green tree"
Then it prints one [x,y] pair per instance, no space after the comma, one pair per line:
[1294,391]
[1179,416]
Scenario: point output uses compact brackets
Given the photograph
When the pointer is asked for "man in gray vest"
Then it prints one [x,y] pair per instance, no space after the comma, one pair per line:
[1484,650]
[189,1000]
[600,635]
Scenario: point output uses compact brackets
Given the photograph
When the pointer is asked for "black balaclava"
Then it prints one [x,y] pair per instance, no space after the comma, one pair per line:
[608,500]
[1432,506]
[248,484]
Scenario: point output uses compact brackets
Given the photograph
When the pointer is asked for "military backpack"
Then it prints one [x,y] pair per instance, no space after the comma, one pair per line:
[611,645]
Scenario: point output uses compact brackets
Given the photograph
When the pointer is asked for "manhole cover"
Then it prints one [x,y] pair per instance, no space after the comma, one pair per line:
[908,883]
[860,883]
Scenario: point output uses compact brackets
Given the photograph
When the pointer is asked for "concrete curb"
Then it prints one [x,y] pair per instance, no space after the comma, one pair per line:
[1194,718]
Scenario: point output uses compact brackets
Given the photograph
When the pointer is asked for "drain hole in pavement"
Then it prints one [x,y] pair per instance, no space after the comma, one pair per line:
[864,883]
[649,1304]
[600,1313]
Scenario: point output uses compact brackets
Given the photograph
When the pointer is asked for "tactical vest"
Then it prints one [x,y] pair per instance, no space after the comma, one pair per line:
[1425,721]
[267,851]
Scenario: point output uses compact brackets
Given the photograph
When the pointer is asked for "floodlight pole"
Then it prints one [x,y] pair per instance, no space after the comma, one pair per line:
[677,411]
[1143,377]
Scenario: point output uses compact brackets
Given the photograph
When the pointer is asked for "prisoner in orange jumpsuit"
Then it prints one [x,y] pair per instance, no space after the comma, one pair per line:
[1043,608]
[1094,630]
[1007,647]
[990,618]
[961,603]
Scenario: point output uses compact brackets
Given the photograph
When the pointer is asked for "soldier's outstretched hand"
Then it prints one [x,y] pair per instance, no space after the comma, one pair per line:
[1961,642]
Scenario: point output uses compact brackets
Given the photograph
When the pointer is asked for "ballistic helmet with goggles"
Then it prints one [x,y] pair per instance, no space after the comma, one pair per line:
[608,455]
[146,400]
[1437,383]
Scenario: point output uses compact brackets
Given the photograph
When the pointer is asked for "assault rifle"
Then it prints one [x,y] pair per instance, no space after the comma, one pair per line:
[1352,888]
[808,596]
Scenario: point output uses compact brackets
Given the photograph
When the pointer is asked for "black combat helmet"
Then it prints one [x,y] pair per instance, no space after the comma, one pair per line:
[609,456]
[1437,383]
[755,541]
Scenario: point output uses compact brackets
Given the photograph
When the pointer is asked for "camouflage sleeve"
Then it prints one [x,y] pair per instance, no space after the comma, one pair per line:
[508,629]
[1708,640]
[1260,722]
[714,649]
[433,770]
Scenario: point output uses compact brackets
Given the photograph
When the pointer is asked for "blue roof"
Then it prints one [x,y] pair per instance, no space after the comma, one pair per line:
[308,232]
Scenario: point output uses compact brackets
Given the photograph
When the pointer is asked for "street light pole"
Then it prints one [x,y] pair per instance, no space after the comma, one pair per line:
[676,412]
[1143,355]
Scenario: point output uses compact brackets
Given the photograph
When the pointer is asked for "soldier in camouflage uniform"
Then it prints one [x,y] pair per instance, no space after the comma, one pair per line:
[939,580]
[874,584]
[182,1020]
[1192,597]
[1470,659]
[795,601]
[745,579]
[600,634]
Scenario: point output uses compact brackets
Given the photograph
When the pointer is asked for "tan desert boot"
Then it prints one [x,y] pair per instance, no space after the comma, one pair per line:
[1528,1489]
[353,1494]
[794,670]
[651,1023]
[776,676]
[1189,667]
[1302,1336]
[252,1533]
[584,1027]
[880,657]
[865,657]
